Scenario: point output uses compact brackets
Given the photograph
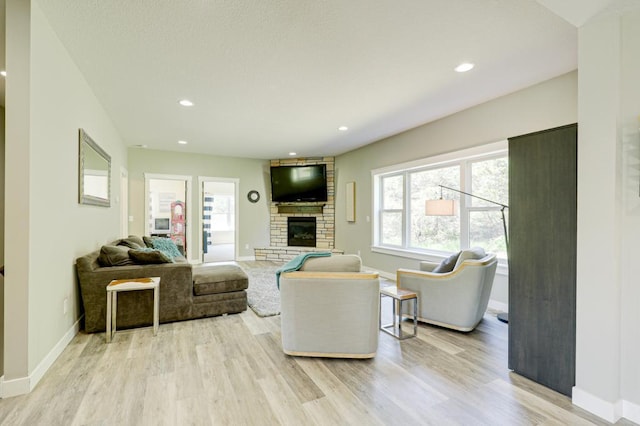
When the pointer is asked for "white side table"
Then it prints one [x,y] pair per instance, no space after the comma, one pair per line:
[116,286]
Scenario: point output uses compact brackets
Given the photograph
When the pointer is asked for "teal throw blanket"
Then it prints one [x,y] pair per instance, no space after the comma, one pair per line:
[297,262]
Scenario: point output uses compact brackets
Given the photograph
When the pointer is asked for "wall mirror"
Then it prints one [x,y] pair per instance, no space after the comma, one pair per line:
[94,174]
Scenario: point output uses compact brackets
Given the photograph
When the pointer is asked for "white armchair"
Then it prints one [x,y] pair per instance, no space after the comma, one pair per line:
[456,299]
[330,309]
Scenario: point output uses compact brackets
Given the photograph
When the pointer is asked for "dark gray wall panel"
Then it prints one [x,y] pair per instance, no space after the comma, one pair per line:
[542,258]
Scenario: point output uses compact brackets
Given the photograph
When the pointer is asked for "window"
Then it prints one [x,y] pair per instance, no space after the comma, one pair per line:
[400,192]
[222,213]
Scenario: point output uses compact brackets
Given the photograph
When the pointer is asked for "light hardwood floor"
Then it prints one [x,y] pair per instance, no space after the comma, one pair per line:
[230,370]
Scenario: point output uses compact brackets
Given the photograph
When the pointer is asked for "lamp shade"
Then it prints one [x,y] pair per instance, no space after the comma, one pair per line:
[440,207]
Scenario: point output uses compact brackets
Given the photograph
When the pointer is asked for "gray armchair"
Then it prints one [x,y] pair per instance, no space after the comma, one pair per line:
[330,309]
[457,299]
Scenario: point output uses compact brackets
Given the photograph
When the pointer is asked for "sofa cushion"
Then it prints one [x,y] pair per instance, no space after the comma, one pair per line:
[114,256]
[147,255]
[447,264]
[218,279]
[132,242]
[148,241]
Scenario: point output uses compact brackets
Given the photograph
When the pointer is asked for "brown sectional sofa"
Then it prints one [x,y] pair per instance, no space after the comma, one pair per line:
[186,291]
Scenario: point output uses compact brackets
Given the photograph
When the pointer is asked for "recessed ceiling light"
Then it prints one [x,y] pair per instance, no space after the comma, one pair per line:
[292,153]
[186,102]
[3,73]
[343,128]
[183,142]
[464,67]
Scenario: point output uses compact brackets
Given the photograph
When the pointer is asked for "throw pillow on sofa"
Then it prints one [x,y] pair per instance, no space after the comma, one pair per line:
[167,246]
[114,256]
[148,241]
[132,242]
[149,256]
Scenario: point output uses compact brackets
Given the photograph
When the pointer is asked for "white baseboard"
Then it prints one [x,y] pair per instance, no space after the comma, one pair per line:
[246,258]
[609,411]
[24,385]
[388,275]
[631,411]
[498,306]
[15,387]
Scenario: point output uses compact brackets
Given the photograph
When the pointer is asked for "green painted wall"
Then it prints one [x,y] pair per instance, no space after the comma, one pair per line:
[253,174]
[546,105]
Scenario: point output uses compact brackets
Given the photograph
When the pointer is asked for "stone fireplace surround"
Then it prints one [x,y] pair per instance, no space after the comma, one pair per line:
[324,213]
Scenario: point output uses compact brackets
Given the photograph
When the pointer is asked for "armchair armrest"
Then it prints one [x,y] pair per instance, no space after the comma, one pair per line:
[414,273]
[329,275]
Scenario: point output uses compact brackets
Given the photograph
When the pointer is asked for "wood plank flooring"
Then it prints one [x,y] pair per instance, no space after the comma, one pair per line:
[230,370]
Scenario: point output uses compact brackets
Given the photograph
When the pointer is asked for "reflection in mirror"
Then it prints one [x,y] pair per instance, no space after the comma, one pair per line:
[94,174]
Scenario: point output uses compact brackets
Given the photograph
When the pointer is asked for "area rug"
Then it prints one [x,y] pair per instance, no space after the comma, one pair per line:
[263,295]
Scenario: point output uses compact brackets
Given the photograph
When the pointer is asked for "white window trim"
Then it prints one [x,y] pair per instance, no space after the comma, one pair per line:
[488,150]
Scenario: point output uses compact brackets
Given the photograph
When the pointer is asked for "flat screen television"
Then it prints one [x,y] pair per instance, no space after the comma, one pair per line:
[299,183]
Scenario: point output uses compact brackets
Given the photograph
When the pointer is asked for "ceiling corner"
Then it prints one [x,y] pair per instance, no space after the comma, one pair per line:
[576,12]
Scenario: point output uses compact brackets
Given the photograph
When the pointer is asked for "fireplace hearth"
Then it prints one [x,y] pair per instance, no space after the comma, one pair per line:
[301,231]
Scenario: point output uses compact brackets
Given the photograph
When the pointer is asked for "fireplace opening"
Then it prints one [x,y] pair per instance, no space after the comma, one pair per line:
[301,231]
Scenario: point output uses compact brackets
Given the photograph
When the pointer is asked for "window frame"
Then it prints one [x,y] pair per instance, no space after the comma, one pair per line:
[464,159]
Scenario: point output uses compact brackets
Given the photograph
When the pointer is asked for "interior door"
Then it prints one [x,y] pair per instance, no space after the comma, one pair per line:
[218,220]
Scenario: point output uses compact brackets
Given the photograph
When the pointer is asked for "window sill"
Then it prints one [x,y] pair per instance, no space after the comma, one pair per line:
[431,256]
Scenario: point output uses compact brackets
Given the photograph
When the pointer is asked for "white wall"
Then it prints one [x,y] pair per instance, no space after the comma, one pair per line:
[546,105]
[253,174]
[630,138]
[608,295]
[47,101]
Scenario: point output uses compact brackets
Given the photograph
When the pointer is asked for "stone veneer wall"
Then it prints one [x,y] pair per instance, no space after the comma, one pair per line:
[325,221]
[285,254]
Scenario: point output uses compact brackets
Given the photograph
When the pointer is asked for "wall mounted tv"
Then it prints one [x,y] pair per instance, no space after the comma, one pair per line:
[299,183]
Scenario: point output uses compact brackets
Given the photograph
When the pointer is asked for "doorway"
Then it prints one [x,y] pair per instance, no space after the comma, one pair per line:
[167,198]
[218,215]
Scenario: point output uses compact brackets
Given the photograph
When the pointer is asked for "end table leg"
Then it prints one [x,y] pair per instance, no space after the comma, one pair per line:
[415,316]
[394,302]
[114,312]
[380,313]
[108,333]
[156,314]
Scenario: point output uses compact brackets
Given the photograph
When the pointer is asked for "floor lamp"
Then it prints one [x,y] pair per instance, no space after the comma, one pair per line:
[442,207]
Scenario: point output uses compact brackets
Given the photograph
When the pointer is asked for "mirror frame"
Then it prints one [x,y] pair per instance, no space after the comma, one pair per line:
[85,143]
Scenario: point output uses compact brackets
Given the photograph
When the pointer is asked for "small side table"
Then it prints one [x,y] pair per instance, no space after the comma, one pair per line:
[399,296]
[116,286]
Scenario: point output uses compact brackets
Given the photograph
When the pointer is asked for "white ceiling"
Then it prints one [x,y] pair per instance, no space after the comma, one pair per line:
[269,77]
